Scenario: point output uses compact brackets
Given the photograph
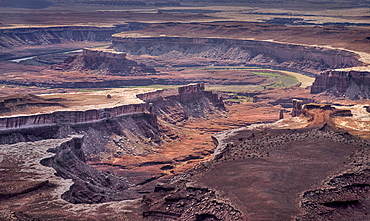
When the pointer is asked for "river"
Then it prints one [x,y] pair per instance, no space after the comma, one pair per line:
[305,80]
[17,60]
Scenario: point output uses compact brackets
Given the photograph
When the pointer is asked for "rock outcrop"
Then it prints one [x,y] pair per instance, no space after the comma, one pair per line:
[193,100]
[114,62]
[24,179]
[68,117]
[111,132]
[351,84]
[53,35]
[297,108]
[16,37]
[42,36]
[183,200]
[278,55]
[127,121]
[159,98]
[90,185]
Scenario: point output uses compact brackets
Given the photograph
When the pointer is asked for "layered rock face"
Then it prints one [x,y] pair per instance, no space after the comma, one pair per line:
[68,117]
[90,185]
[11,38]
[107,132]
[193,100]
[114,62]
[286,56]
[351,84]
[182,94]
[297,108]
[53,35]
[46,36]
[135,121]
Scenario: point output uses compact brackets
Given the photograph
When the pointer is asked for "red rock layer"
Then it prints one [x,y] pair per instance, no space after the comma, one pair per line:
[351,84]
[287,56]
[114,62]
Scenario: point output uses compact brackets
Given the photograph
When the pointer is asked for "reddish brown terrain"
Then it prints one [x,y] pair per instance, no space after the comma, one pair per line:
[137,110]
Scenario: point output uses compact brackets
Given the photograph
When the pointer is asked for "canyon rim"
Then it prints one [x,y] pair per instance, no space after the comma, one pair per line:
[184,110]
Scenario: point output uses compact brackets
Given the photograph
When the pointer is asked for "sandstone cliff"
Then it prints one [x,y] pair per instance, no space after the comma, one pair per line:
[270,54]
[18,37]
[351,84]
[136,122]
[68,117]
[182,95]
[53,35]
[90,185]
[41,36]
[113,62]
[110,132]
[193,100]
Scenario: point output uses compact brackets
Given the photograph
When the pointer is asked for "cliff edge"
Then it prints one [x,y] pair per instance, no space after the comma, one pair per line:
[349,83]
[106,61]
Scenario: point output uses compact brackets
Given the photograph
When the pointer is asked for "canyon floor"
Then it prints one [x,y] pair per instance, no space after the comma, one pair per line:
[234,151]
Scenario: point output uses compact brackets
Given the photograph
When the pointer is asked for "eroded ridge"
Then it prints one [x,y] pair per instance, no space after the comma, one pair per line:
[346,83]
[108,138]
[301,58]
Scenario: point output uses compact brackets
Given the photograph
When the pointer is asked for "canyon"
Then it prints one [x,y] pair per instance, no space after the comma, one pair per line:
[291,57]
[91,131]
[154,110]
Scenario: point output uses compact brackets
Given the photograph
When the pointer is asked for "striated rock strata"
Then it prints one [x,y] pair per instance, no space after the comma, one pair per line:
[183,94]
[193,100]
[278,55]
[351,84]
[68,117]
[110,132]
[11,38]
[90,185]
[113,62]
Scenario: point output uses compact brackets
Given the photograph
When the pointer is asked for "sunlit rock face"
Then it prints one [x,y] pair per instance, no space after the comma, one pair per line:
[301,58]
[351,84]
[114,62]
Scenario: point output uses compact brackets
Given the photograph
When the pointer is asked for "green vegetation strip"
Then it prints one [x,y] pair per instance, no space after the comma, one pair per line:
[155,86]
[278,80]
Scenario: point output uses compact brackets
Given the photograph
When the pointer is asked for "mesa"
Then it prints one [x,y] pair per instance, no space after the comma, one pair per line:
[174,110]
